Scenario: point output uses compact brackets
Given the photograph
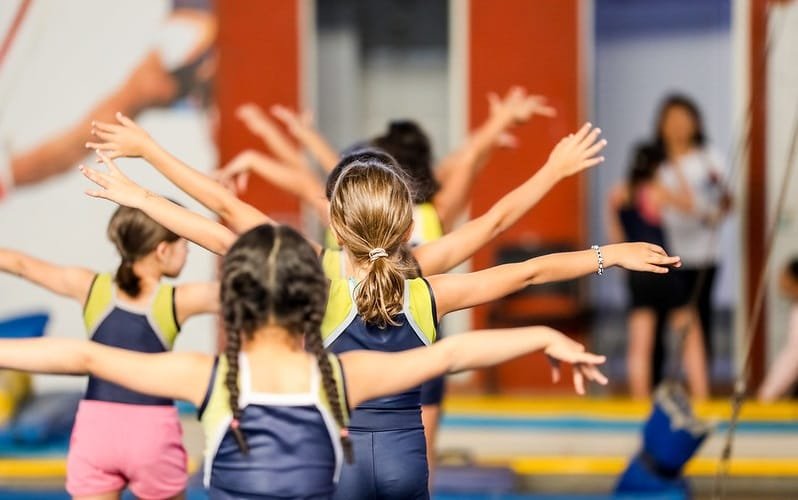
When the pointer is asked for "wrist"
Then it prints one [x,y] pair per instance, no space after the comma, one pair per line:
[141,198]
[552,336]
[610,254]
[553,170]
[149,150]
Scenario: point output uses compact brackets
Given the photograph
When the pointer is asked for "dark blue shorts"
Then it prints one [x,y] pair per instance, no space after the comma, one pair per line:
[389,465]
[432,391]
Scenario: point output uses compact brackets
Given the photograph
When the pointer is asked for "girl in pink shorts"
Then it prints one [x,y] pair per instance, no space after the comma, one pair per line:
[123,438]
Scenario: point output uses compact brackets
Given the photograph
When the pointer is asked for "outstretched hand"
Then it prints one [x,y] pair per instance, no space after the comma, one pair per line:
[124,138]
[293,121]
[518,107]
[578,151]
[563,349]
[639,256]
[115,186]
[254,118]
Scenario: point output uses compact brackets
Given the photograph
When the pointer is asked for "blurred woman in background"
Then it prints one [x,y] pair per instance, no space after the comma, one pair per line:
[691,230]
[636,215]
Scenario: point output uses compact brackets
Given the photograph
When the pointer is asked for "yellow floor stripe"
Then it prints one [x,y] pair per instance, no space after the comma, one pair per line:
[607,408]
[48,468]
[24,469]
[613,466]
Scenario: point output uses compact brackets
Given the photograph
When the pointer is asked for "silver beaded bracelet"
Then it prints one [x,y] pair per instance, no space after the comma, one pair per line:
[600,259]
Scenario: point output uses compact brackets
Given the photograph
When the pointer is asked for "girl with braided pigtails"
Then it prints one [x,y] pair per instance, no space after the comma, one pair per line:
[275,406]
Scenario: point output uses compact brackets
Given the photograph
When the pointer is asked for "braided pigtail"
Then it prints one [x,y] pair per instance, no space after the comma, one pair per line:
[314,345]
[243,307]
[231,383]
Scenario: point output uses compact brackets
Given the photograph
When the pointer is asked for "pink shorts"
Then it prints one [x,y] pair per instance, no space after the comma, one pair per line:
[114,445]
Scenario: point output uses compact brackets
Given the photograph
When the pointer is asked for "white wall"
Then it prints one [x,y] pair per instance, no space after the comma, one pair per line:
[632,75]
[67,55]
[782,113]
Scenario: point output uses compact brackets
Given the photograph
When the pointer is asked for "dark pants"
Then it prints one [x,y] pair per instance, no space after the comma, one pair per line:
[432,391]
[692,287]
[389,465]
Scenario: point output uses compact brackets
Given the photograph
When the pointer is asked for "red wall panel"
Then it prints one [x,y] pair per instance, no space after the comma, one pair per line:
[259,62]
[535,44]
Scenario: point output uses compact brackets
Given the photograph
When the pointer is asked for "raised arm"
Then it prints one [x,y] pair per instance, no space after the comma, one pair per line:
[571,155]
[261,125]
[301,126]
[459,291]
[300,181]
[196,298]
[72,282]
[457,172]
[371,374]
[126,138]
[174,375]
[191,226]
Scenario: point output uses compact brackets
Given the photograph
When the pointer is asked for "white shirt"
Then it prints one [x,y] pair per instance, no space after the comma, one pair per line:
[689,235]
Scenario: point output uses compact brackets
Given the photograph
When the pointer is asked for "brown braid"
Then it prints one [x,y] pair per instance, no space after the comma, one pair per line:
[231,382]
[314,345]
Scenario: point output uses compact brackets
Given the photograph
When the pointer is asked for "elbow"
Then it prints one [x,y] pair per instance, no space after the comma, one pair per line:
[449,353]
[86,360]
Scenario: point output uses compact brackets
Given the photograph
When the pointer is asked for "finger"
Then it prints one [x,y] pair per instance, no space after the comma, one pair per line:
[547,111]
[108,163]
[507,140]
[247,111]
[103,146]
[106,136]
[555,368]
[655,269]
[124,120]
[105,127]
[96,194]
[493,101]
[96,177]
[579,380]
[589,358]
[582,132]
[657,249]
[591,162]
[515,93]
[595,374]
[242,181]
[664,260]
[595,148]
[555,374]
[282,113]
[590,139]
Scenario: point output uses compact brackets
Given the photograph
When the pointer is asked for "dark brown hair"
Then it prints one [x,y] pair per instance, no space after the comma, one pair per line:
[271,275]
[135,235]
